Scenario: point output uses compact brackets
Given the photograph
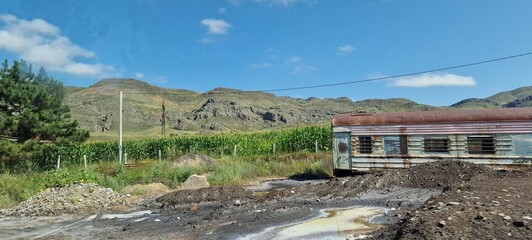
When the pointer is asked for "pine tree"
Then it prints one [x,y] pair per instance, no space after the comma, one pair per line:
[32,109]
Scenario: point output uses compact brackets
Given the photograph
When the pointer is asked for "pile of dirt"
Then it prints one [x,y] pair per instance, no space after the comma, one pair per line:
[438,200]
[73,199]
[492,205]
[193,159]
[403,189]
[441,175]
[210,194]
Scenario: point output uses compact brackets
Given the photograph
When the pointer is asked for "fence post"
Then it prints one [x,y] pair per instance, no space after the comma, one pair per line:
[316,145]
[58,162]
[234,151]
[85,161]
[125,158]
[274,149]
[159,155]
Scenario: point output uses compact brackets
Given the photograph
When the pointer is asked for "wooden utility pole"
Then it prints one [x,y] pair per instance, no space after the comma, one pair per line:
[163,121]
[120,133]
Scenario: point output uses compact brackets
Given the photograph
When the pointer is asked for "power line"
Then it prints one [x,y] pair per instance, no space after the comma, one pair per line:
[400,75]
[345,83]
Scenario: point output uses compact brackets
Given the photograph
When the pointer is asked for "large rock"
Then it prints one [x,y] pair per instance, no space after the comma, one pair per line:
[195,182]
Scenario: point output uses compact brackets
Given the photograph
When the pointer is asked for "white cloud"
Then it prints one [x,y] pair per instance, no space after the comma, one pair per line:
[222,10]
[84,69]
[345,49]
[216,26]
[139,75]
[303,69]
[260,65]
[293,60]
[269,2]
[432,80]
[298,66]
[280,2]
[41,43]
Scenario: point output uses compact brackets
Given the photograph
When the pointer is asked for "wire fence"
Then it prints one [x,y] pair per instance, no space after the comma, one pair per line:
[310,139]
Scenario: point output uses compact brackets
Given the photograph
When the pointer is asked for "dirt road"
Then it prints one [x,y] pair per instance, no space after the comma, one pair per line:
[433,201]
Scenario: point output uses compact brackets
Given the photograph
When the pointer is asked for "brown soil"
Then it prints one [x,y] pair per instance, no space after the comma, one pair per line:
[459,183]
[440,200]
[492,205]
[218,194]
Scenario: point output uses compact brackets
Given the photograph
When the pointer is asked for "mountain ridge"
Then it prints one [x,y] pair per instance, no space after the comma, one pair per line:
[226,109]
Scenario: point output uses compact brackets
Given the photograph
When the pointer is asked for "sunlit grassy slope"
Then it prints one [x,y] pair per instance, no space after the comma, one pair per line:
[224,109]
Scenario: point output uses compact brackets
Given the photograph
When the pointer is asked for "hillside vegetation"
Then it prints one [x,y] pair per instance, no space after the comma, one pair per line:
[223,109]
[520,97]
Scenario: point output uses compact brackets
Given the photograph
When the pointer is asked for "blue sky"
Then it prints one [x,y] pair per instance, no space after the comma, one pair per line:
[271,44]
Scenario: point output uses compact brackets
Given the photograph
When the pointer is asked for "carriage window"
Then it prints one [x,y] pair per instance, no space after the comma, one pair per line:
[365,145]
[480,145]
[523,144]
[436,144]
[395,145]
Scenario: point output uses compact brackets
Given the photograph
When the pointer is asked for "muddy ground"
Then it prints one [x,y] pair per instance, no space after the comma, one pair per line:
[432,201]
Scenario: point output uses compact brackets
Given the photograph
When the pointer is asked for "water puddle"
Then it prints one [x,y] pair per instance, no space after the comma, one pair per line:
[273,185]
[126,215]
[334,224]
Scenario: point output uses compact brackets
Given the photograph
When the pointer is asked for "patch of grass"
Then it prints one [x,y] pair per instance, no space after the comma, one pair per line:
[15,188]
[231,171]
[7,201]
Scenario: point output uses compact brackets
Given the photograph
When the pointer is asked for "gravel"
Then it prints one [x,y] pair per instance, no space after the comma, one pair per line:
[71,199]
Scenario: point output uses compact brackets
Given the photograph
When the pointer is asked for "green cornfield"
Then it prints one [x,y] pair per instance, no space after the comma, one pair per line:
[309,139]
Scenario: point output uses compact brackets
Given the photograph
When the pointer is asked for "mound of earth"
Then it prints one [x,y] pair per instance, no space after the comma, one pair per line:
[73,199]
[203,195]
[193,159]
[441,175]
[491,205]
[438,200]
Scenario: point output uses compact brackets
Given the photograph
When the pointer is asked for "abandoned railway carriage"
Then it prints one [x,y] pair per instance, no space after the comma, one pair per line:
[369,141]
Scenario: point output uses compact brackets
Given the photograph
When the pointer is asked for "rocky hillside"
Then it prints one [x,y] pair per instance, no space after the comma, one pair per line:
[222,109]
[520,97]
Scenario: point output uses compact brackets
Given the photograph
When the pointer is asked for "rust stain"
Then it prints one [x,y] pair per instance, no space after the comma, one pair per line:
[442,116]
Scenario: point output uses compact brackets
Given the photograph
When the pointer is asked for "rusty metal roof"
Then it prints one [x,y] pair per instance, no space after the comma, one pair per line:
[442,116]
